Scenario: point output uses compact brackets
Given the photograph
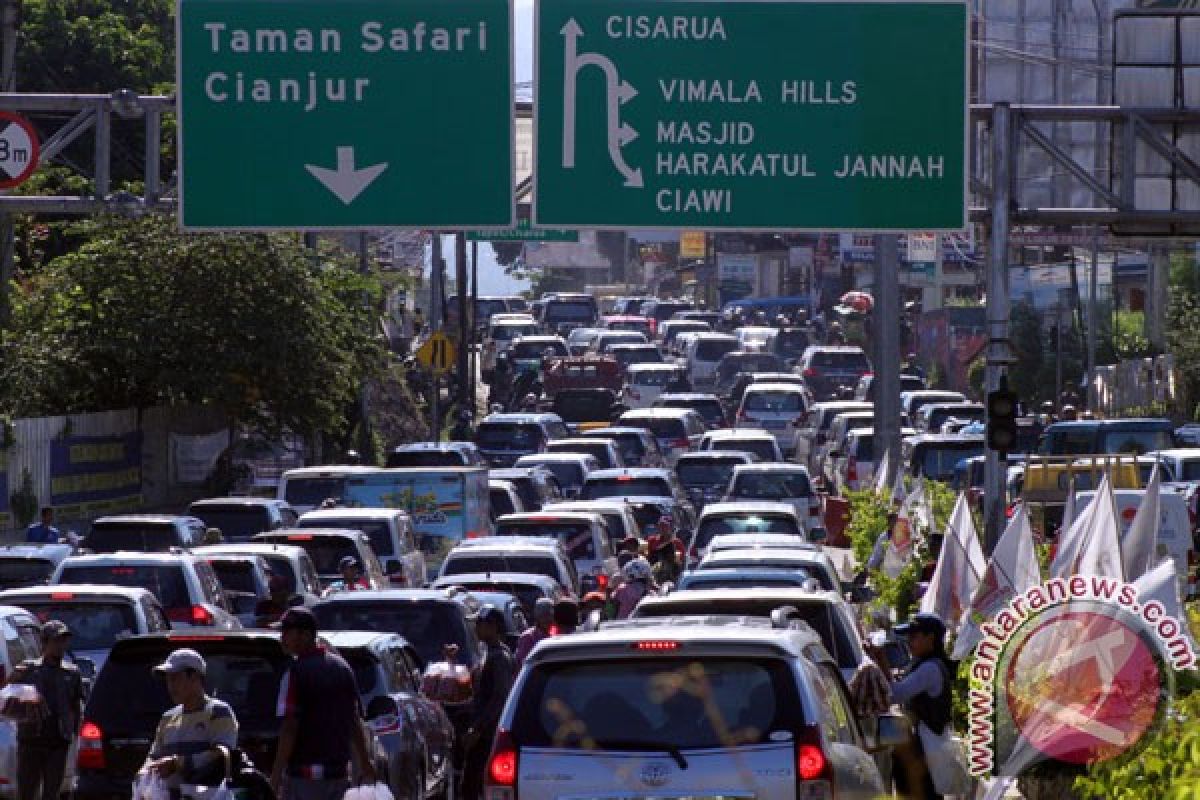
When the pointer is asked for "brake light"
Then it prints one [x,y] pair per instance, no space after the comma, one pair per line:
[300,537]
[812,765]
[62,595]
[810,762]
[91,747]
[683,442]
[502,767]
[810,373]
[655,645]
[398,579]
[602,581]
[121,571]
[192,615]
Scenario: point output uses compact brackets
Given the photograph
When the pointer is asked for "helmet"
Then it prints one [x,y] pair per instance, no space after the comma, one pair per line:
[637,570]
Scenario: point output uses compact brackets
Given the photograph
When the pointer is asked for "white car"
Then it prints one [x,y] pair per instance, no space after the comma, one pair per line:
[776,407]
[571,469]
[291,562]
[815,428]
[678,430]
[816,564]
[583,535]
[645,382]
[724,519]
[755,338]
[618,519]
[778,483]
[704,352]
[759,442]
[392,536]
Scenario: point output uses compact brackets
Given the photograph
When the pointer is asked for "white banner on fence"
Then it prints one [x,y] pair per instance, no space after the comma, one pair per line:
[193,457]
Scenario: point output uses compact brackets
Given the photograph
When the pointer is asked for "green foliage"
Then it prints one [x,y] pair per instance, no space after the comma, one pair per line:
[24,501]
[1128,335]
[142,315]
[868,519]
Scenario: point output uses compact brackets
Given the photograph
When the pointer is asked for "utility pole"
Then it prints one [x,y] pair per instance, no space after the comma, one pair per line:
[10,13]
[887,366]
[466,386]
[437,317]
[474,361]
[998,310]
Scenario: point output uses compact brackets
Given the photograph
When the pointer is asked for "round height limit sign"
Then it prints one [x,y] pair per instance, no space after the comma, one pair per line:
[18,150]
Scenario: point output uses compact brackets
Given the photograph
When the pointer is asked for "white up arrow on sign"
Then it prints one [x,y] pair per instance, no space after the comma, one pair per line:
[346,182]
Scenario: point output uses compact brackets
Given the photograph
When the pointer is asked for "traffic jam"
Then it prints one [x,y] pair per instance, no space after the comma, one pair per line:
[634,580]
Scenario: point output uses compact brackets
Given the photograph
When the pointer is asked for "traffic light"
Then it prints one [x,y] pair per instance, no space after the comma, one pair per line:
[1002,418]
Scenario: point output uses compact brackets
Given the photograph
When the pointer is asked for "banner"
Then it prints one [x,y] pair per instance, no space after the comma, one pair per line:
[692,244]
[193,457]
[91,474]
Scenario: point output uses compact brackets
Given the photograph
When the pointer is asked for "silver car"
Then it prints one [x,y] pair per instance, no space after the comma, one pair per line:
[699,707]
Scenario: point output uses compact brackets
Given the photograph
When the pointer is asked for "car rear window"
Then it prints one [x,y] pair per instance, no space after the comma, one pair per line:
[16,573]
[727,579]
[505,333]
[310,492]
[532,350]
[576,537]
[651,377]
[772,485]
[764,449]
[94,625]
[236,576]
[429,626]
[774,402]
[109,537]
[625,487]
[497,562]
[744,523]
[325,551]
[840,360]
[710,409]
[642,704]
[508,436]
[1135,441]
[425,458]
[166,581]
[661,427]
[570,311]
[584,406]
[713,349]
[939,462]
[237,523]
[709,472]
[376,530]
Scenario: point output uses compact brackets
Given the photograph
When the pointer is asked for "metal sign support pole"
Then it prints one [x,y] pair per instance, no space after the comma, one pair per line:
[886,326]
[436,318]
[997,313]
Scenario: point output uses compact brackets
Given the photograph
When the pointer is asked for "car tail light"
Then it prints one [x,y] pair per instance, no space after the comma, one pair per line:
[300,537]
[656,645]
[814,506]
[812,765]
[62,595]
[810,373]
[684,443]
[502,768]
[91,747]
[191,615]
[602,582]
[398,579]
[475,534]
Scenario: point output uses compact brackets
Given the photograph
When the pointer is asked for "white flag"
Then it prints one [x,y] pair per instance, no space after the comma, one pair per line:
[1068,510]
[1138,548]
[960,566]
[1092,545]
[881,472]
[1013,569]
[1161,583]
[899,495]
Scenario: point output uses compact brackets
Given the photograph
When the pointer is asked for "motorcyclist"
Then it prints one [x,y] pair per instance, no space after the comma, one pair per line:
[912,366]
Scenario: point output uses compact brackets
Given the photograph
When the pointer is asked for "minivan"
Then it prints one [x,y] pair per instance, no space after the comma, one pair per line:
[704,352]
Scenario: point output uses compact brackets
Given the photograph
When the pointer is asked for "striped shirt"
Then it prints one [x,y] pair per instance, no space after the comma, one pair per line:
[195,735]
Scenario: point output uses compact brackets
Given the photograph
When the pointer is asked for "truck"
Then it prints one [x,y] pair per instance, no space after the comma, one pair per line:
[446,504]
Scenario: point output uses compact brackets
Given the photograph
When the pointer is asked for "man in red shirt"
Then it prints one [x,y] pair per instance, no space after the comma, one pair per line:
[666,533]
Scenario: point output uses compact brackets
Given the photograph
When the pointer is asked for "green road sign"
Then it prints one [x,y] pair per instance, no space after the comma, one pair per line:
[524,232]
[751,115]
[317,114]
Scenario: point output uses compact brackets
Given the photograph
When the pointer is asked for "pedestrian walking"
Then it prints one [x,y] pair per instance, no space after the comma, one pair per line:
[495,678]
[185,748]
[43,532]
[926,694]
[44,736]
[322,730]
[543,621]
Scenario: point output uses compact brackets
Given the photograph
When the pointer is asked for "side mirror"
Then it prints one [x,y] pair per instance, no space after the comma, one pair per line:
[894,731]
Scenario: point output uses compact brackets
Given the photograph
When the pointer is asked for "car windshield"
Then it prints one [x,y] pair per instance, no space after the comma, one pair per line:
[661,427]
[237,523]
[630,446]
[764,449]
[772,485]
[835,359]
[625,487]
[709,409]
[500,562]
[714,349]
[746,522]
[236,576]
[708,472]
[576,537]
[425,458]
[1135,441]
[673,702]
[166,581]
[508,436]
[311,492]
[325,552]
[376,530]
[506,333]
[109,537]
[18,572]
[94,626]
[586,406]
[773,402]
[429,626]
[570,311]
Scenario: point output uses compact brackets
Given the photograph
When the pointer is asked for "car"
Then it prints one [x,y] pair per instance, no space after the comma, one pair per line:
[586,408]
[649,511]
[705,476]
[98,615]
[414,732]
[503,438]
[735,363]
[628,354]
[827,613]
[583,535]
[144,533]
[429,619]
[538,555]
[833,372]
[187,588]
[1088,437]
[246,580]
[645,382]
[854,466]
[1178,464]
[747,577]
[865,390]
[327,547]
[776,407]
[810,560]
[744,379]
[659,311]
[306,488]
[579,341]
[30,564]
[535,486]
[708,406]
[932,415]
[571,469]
[602,343]
[814,430]
[22,641]
[761,443]
[638,447]
[755,338]
[504,498]
[640,482]
[290,562]
[603,450]
[624,689]
[392,537]
[833,451]
[777,483]
[911,402]
[671,328]
[720,519]
[516,618]
[436,454]
[934,456]
[704,351]
[527,587]
[530,352]
[239,518]
[619,521]
[678,430]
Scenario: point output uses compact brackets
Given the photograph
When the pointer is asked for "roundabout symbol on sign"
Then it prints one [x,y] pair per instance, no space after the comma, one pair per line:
[18,150]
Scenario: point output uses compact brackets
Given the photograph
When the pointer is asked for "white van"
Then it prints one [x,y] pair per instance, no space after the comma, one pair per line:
[776,407]
[703,352]
[1174,527]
